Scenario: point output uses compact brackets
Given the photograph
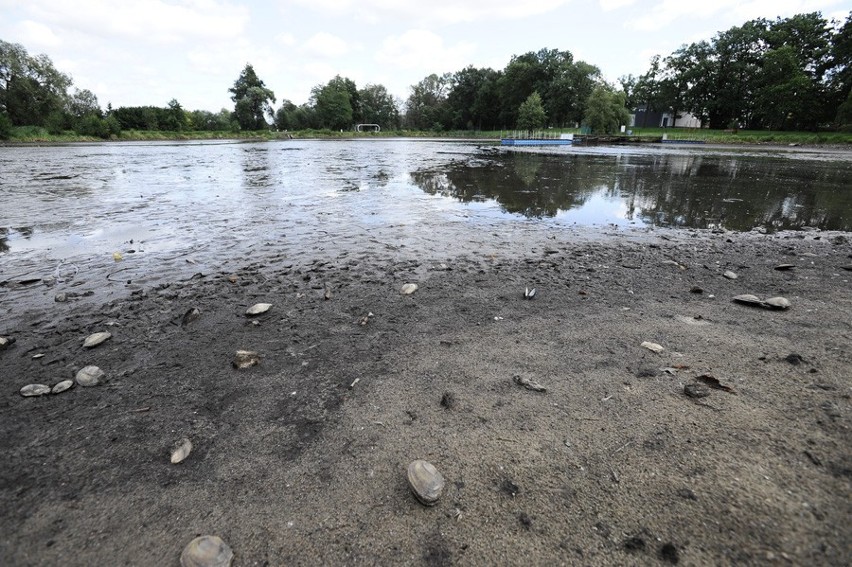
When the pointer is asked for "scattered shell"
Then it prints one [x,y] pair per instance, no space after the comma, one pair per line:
[89,376]
[62,386]
[95,339]
[182,451]
[425,482]
[6,342]
[777,303]
[652,346]
[748,299]
[245,359]
[327,295]
[31,390]
[117,256]
[847,267]
[408,288]
[61,297]
[730,275]
[206,551]
[528,384]
[258,308]
[696,390]
[673,263]
[529,293]
[190,316]
[784,267]
[37,356]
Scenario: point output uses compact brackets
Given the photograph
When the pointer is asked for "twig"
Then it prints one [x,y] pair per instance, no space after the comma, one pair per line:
[140,410]
[614,476]
[622,447]
[507,440]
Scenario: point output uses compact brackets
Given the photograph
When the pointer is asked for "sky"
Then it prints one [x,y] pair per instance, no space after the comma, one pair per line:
[148,52]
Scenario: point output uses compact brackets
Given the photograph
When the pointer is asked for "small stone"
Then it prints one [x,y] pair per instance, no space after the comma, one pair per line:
[730,275]
[794,358]
[258,308]
[425,482]
[61,297]
[89,376]
[6,342]
[245,359]
[448,400]
[528,384]
[696,390]
[31,390]
[62,386]
[95,339]
[695,289]
[654,347]
[408,288]
[190,316]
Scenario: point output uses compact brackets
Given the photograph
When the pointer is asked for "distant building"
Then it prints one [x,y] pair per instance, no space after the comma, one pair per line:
[643,117]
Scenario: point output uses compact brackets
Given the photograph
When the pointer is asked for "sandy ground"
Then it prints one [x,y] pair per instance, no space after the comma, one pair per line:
[301,459]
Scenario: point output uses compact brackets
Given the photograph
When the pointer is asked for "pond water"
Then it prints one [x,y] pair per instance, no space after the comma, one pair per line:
[215,202]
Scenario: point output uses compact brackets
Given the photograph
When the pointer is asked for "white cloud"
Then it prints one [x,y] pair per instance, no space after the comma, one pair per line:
[35,34]
[157,21]
[436,11]
[610,5]
[285,39]
[426,50]
[324,44]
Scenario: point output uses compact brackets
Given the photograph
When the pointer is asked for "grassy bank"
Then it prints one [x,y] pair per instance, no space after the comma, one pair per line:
[34,134]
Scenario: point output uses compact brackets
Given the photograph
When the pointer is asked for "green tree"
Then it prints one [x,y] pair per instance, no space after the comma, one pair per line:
[176,118]
[31,88]
[531,115]
[605,110]
[335,103]
[472,102]
[426,107]
[378,107]
[252,100]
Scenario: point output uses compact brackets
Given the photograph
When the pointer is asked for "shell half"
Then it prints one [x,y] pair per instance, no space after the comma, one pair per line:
[425,482]
[206,551]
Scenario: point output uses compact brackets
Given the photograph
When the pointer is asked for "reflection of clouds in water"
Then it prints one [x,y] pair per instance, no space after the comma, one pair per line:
[601,209]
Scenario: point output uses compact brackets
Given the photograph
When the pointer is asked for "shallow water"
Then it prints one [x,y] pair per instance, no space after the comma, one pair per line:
[167,207]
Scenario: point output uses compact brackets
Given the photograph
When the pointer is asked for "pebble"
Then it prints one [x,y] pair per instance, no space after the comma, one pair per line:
[6,342]
[182,451]
[777,303]
[95,339]
[425,482]
[654,347]
[696,390]
[408,288]
[89,376]
[730,275]
[258,308]
[31,390]
[62,386]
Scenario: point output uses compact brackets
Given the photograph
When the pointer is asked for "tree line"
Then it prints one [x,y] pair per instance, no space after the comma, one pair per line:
[791,73]
[788,74]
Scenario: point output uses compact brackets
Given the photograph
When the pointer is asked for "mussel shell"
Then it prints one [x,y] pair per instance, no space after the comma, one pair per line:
[62,386]
[425,482]
[258,308]
[206,551]
[95,339]
[181,452]
[89,376]
[777,303]
[31,390]
[730,275]
[748,299]
[408,288]
[245,359]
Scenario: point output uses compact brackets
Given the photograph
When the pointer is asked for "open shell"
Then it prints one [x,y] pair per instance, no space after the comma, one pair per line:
[62,386]
[95,339]
[31,390]
[748,299]
[206,551]
[425,482]
[182,451]
[777,303]
[258,308]
[408,288]
[89,376]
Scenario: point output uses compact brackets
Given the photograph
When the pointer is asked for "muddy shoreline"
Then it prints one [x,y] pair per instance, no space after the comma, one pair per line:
[292,464]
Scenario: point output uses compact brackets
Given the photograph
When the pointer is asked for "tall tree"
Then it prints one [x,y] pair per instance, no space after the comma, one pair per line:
[31,88]
[531,114]
[252,100]
[336,103]
[426,107]
[378,107]
[605,110]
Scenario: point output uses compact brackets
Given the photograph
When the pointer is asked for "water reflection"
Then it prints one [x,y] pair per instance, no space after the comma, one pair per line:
[683,190]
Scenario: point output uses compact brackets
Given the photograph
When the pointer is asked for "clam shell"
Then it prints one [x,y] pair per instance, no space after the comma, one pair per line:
[258,308]
[89,376]
[748,299]
[206,551]
[190,316]
[62,386]
[182,451]
[652,346]
[529,293]
[245,359]
[408,288]
[730,275]
[785,267]
[95,339]
[425,482]
[31,390]
[777,303]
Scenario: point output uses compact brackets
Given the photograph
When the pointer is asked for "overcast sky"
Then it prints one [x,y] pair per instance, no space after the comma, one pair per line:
[146,52]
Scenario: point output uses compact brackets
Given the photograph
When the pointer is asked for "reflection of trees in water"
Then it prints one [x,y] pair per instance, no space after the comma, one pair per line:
[4,232]
[26,232]
[529,184]
[737,193]
[687,190]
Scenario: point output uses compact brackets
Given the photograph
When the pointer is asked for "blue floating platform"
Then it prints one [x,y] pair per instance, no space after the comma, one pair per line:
[683,142]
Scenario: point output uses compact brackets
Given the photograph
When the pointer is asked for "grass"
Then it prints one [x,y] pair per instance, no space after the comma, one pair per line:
[36,134]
